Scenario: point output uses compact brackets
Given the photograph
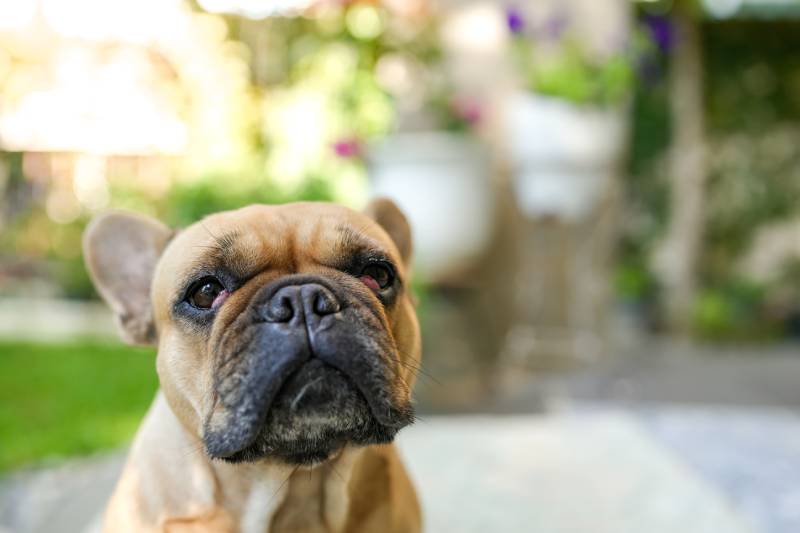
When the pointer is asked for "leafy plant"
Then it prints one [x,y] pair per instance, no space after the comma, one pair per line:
[734,311]
[567,69]
[187,203]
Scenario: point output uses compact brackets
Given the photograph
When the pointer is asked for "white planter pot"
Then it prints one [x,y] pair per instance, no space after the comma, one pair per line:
[441,181]
[561,154]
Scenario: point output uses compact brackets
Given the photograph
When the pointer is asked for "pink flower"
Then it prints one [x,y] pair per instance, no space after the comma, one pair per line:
[347,148]
[467,110]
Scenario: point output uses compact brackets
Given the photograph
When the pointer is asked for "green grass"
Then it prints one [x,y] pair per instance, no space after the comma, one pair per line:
[59,400]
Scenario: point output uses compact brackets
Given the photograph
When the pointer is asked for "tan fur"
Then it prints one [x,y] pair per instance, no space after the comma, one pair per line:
[169,484]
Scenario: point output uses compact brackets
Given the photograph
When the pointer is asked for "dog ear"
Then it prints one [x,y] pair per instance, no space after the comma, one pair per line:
[121,251]
[386,213]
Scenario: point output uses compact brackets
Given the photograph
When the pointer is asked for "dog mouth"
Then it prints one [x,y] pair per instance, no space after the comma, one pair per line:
[317,411]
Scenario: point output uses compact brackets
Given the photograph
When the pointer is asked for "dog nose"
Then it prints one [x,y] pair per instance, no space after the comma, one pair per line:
[310,300]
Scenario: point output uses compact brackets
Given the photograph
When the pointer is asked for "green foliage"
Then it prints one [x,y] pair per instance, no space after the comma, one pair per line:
[734,311]
[189,202]
[753,74]
[634,282]
[354,37]
[59,400]
[753,80]
[48,249]
[581,81]
[575,74]
[646,186]
[73,279]
[751,83]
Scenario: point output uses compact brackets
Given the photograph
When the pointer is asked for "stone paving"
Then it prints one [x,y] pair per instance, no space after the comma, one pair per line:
[597,473]
[750,456]
[589,470]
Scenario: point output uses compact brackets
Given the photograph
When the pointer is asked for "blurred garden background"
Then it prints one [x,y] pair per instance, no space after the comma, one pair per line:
[595,186]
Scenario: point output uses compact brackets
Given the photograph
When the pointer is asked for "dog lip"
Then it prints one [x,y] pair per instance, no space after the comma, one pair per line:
[389,416]
[225,445]
[304,431]
[219,446]
[251,414]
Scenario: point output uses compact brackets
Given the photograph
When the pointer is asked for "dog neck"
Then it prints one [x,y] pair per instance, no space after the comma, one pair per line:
[176,484]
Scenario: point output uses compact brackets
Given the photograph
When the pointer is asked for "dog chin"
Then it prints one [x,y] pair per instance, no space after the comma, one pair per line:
[317,412]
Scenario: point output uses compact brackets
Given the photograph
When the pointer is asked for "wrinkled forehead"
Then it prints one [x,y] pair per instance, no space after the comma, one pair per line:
[287,237]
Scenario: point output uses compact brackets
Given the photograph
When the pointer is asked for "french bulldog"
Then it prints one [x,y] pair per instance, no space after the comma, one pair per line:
[287,347]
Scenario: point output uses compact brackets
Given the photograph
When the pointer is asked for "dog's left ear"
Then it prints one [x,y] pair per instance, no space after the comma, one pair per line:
[121,251]
[386,213]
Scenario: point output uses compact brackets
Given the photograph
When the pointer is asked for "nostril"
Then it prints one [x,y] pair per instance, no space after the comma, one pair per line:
[279,308]
[284,310]
[325,304]
[319,300]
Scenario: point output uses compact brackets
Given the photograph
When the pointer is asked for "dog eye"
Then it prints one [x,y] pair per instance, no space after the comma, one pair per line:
[377,276]
[205,293]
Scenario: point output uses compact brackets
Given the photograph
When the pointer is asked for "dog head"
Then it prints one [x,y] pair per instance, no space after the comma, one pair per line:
[283,332]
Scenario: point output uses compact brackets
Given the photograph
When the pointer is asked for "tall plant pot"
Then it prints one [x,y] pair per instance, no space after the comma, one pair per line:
[562,155]
[441,181]
[564,160]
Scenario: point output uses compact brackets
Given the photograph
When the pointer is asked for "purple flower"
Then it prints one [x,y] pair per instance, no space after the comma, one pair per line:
[661,31]
[347,147]
[514,20]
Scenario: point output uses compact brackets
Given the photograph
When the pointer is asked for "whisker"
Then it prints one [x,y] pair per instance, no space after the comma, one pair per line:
[397,374]
[422,371]
[341,478]
[417,367]
[285,481]
[193,449]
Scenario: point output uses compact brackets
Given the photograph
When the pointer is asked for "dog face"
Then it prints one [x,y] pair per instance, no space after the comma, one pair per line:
[283,332]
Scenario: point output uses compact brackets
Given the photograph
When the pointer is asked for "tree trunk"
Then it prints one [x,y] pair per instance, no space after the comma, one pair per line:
[677,257]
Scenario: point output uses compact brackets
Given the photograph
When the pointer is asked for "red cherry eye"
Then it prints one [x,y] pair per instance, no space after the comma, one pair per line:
[370,282]
[377,276]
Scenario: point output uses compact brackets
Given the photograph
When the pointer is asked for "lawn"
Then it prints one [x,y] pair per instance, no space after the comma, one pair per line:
[59,400]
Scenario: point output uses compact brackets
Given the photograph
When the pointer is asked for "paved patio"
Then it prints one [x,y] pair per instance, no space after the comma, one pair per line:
[590,470]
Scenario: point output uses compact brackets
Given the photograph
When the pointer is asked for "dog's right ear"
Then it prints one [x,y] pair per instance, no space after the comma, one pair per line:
[121,251]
